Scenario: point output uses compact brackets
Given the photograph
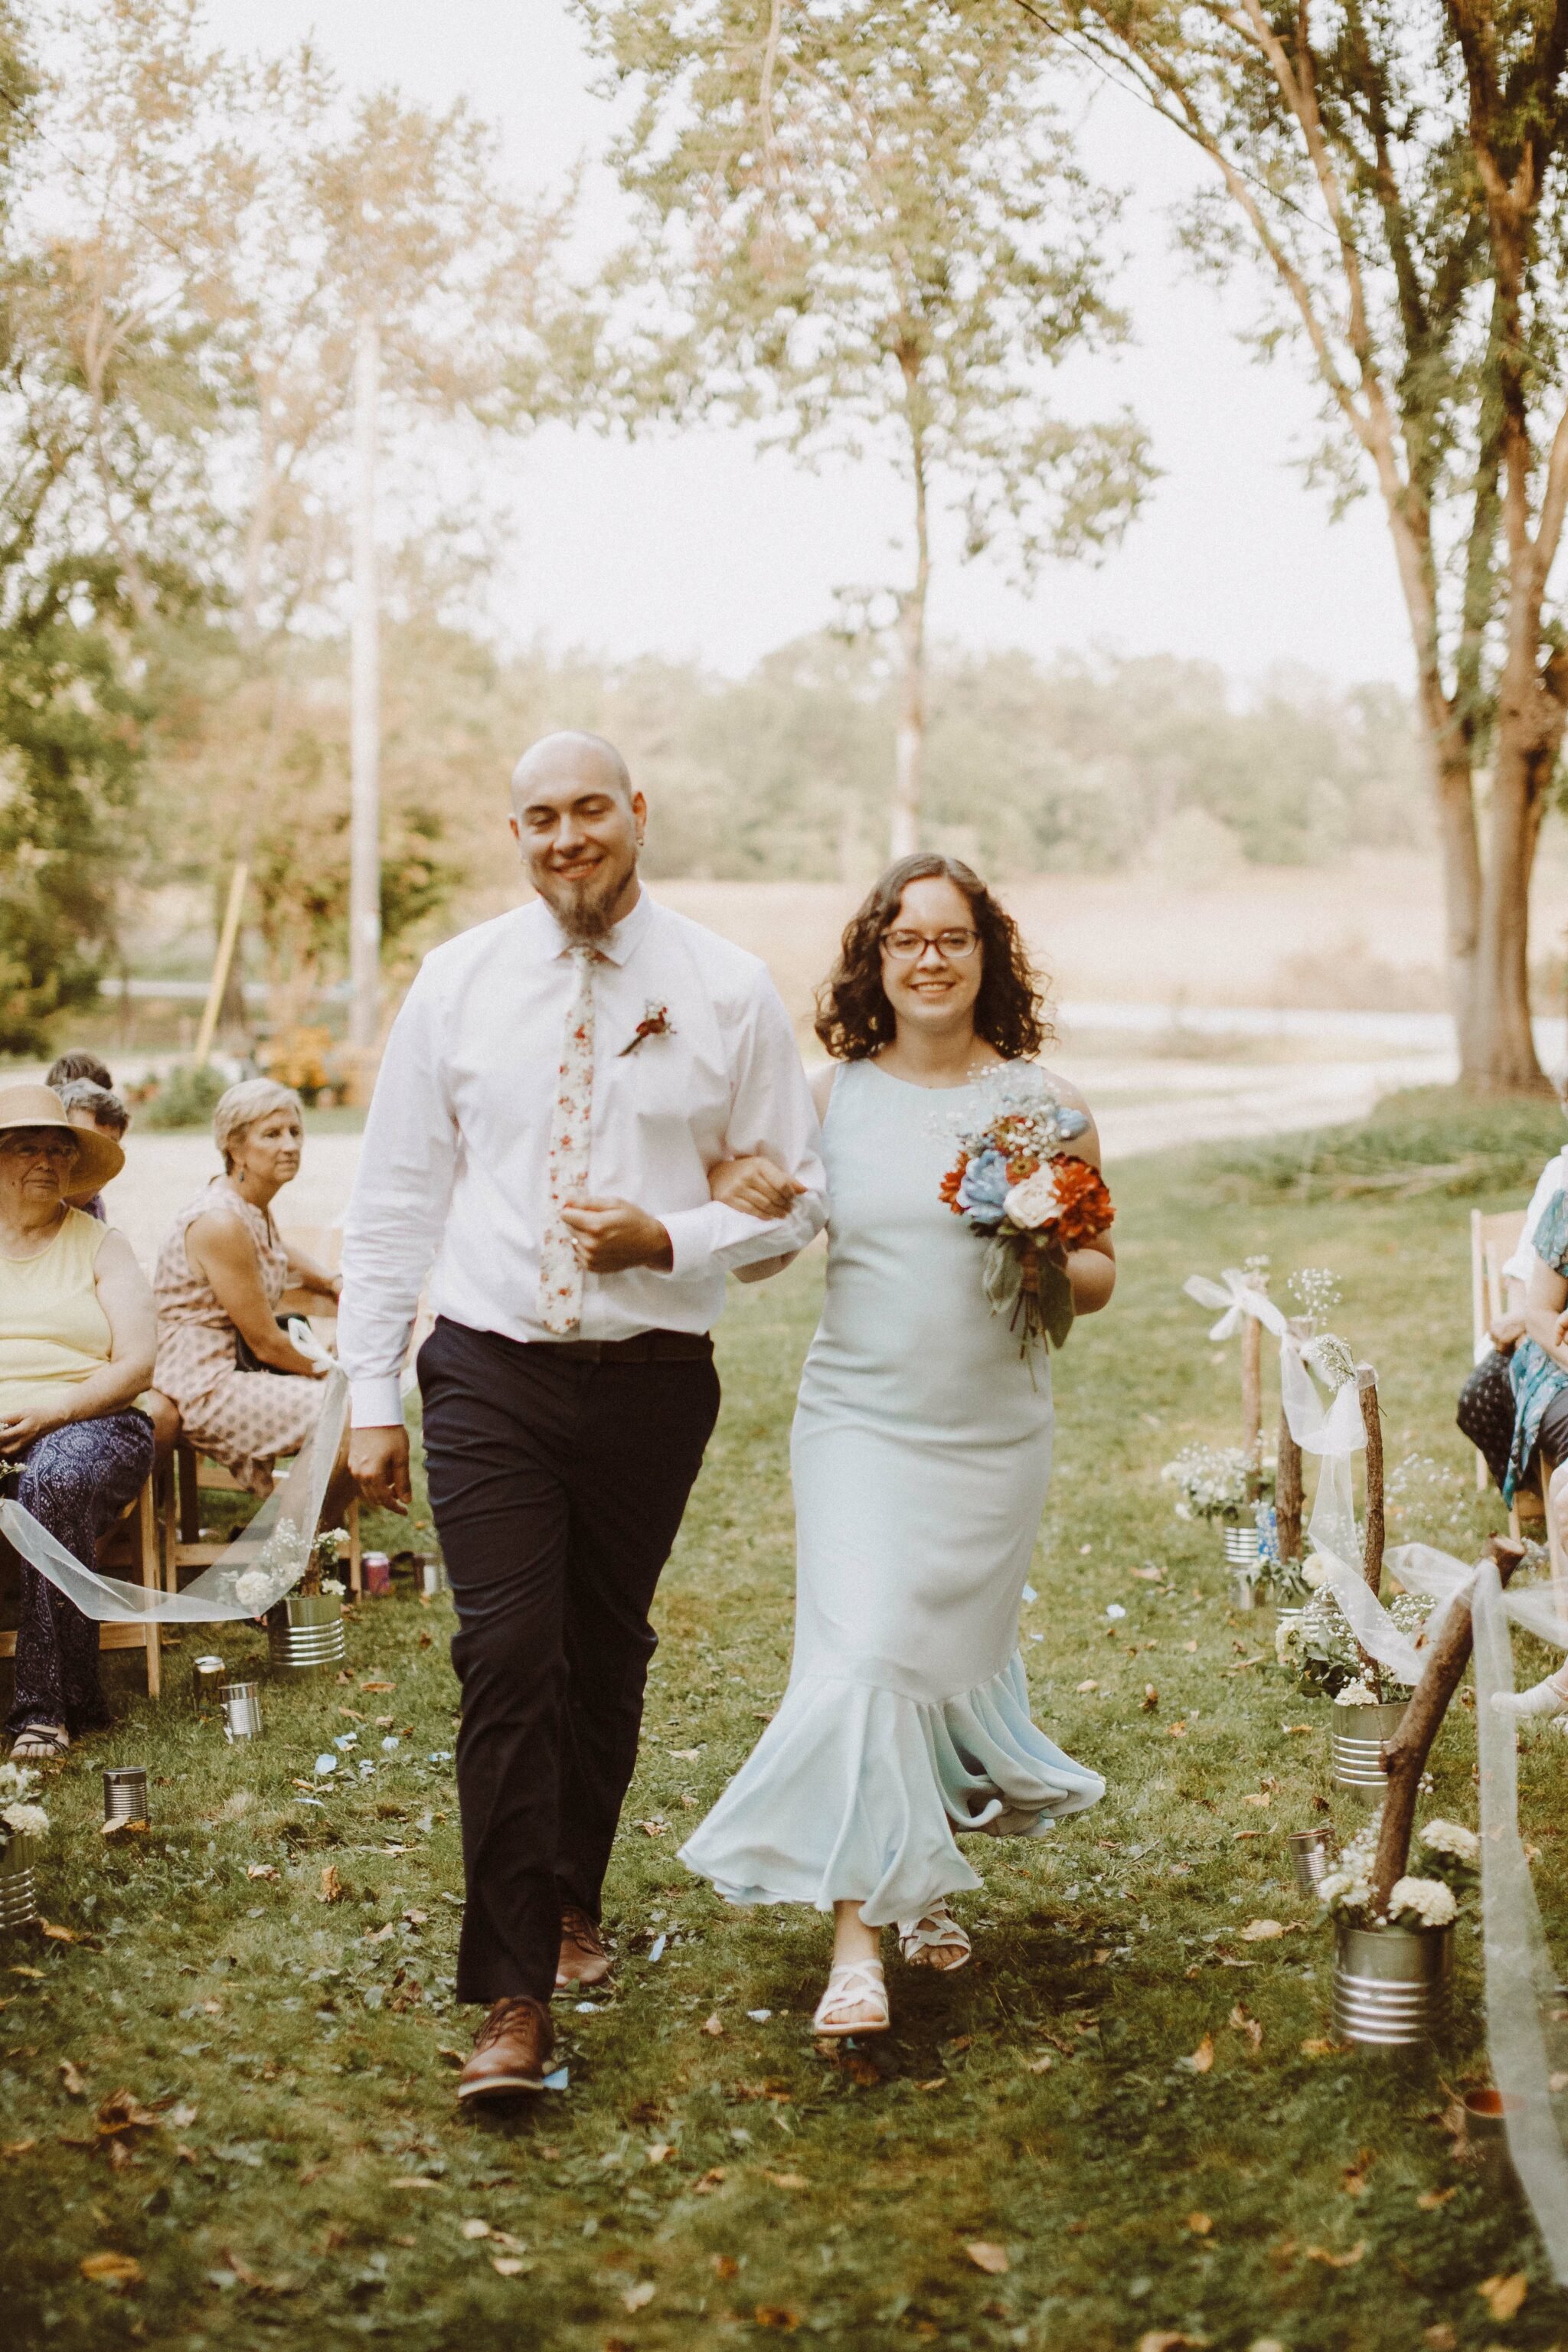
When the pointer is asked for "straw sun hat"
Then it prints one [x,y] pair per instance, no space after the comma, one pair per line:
[98,1158]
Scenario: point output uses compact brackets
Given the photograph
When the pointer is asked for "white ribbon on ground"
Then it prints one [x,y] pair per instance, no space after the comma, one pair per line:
[266,1561]
[1239,1295]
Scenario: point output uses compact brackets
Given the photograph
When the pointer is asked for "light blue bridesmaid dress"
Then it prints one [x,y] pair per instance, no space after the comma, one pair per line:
[922,1454]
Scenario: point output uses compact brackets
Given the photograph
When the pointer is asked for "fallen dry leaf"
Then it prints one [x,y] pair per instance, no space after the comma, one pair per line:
[1431,2200]
[1175,1731]
[386,1686]
[1201,2058]
[261,1870]
[1259,1798]
[122,2111]
[331,1887]
[777,2314]
[657,2150]
[710,2181]
[1247,2025]
[725,2266]
[1101,1956]
[862,2071]
[1148,1575]
[121,1826]
[786,2179]
[508,2265]
[1086,1686]
[1199,2224]
[1261,1931]
[112,2270]
[1151,1698]
[71,2082]
[1167,2339]
[416,1919]
[993,2259]
[19,1971]
[1440,2338]
[1042,2065]
[1502,2297]
[57,1935]
[714,2025]
[1337,2262]
[414,2180]
[1319,2048]
[636,2297]
[476,2228]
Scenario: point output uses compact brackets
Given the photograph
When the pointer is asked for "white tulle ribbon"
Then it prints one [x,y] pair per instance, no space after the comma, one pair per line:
[1333,1432]
[1524,2039]
[1239,1295]
[266,1561]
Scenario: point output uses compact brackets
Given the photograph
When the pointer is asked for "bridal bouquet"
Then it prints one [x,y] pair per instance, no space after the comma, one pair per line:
[1030,1199]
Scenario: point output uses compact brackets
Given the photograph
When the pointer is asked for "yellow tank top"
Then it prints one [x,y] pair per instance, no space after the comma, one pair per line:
[53,1332]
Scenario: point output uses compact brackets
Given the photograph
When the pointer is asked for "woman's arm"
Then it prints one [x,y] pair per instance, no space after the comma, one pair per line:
[313,1281]
[1546,1293]
[127,1302]
[220,1247]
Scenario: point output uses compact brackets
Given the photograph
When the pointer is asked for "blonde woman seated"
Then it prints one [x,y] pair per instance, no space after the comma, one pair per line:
[76,1347]
[244,1392]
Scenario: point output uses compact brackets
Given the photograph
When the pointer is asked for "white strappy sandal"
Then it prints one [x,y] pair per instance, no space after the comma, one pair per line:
[853,1985]
[936,1930]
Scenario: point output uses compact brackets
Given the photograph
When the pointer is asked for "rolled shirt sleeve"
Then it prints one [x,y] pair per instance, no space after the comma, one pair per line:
[397,1212]
[771,1111]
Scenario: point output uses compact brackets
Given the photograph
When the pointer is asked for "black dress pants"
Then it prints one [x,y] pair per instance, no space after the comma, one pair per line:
[558,1478]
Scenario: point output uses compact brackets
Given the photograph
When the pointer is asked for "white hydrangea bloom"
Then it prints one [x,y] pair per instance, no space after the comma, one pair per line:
[1425,1900]
[19,1782]
[1452,1837]
[1315,1570]
[27,1820]
[1356,1694]
[253,1588]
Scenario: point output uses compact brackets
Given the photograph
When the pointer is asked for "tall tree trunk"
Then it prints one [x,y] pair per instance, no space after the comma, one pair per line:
[910,742]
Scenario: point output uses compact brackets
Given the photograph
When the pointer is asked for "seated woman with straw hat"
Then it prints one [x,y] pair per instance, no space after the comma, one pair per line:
[76,1350]
[245,1393]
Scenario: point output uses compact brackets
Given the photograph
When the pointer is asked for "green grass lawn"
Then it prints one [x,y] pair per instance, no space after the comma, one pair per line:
[707,2176]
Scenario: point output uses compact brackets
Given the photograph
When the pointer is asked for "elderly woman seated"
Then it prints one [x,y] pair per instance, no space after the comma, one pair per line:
[76,1349]
[244,1392]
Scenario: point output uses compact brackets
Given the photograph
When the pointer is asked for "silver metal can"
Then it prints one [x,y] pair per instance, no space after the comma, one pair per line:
[125,1794]
[241,1704]
[1309,1858]
[206,1675]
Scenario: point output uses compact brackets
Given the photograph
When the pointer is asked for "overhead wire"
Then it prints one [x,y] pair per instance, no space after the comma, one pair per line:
[100,188]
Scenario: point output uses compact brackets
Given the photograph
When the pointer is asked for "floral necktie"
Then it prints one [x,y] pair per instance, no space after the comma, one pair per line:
[570,1138]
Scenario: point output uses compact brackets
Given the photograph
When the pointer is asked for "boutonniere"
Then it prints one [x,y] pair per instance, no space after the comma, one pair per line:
[655,1022]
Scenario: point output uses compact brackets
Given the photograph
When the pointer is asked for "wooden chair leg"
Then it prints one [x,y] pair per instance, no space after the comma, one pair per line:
[356,1570]
[147,1546]
[1554,1544]
[190,1499]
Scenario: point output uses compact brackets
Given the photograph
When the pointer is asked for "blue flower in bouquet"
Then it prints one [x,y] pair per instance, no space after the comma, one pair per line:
[983,1190]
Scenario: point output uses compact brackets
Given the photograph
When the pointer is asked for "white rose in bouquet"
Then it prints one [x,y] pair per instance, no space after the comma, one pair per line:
[1033,1205]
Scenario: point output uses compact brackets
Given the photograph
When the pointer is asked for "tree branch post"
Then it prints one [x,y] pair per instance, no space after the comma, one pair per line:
[1404,1756]
[1252,1402]
[1287,1492]
[1372,1422]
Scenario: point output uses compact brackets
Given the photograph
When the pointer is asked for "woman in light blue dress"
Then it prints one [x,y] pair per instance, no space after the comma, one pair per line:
[921,1455]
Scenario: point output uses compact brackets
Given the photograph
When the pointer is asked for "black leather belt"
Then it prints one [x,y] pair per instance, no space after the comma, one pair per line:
[642,1347]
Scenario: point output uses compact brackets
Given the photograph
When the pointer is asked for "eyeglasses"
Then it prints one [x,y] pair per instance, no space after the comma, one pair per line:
[908,947]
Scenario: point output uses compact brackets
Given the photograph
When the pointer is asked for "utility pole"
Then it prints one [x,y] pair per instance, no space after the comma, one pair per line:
[364,750]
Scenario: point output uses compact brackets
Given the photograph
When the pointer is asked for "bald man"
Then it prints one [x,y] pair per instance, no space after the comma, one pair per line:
[556,1092]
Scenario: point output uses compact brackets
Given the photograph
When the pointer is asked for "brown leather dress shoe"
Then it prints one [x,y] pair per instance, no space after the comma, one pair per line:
[585,1956]
[510,2052]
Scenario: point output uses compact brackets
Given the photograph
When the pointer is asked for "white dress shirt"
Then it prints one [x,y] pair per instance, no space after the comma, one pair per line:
[453,1168]
[1553,1180]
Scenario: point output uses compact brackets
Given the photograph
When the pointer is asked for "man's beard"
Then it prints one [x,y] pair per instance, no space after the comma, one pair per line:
[585,910]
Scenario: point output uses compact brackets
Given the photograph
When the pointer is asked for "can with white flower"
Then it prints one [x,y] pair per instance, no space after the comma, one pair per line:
[1392,1971]
[23,1825]
[305,1630]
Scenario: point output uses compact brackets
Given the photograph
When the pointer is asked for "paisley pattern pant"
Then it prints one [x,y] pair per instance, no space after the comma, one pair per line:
[76,1480]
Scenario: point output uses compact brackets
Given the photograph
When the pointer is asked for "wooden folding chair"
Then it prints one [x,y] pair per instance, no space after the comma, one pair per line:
[130,1543]
[1493,1241]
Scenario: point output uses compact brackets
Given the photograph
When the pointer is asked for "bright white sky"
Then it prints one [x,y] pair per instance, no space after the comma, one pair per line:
[691,545]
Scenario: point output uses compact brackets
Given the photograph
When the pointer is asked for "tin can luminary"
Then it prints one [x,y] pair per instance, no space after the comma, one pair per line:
[207,1675]
[241,1704]
[377,1567]
[125,1794]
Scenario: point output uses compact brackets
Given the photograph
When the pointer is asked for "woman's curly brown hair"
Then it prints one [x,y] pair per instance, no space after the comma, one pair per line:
[854,1018]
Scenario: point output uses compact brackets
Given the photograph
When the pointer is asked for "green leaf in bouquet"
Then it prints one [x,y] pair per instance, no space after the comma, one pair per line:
[1002,1275]
[1056,1303]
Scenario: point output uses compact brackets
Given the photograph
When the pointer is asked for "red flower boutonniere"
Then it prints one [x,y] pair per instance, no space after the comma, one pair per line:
[655,1022]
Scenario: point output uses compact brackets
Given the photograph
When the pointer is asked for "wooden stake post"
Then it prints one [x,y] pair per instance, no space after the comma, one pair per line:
[1252,1402]
[1372,1422]
[1404,1756]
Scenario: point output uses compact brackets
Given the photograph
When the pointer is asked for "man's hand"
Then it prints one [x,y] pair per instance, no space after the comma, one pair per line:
[378,1465]
[1505,1333]
[611,1235]
[755,1184]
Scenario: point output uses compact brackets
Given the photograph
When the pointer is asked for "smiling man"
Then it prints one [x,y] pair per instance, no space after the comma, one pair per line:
[555,1091]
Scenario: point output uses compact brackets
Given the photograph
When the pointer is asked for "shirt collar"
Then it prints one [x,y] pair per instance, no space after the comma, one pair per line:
[616,947]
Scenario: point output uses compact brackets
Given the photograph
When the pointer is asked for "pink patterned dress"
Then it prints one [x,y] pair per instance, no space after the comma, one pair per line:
[243,1420]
